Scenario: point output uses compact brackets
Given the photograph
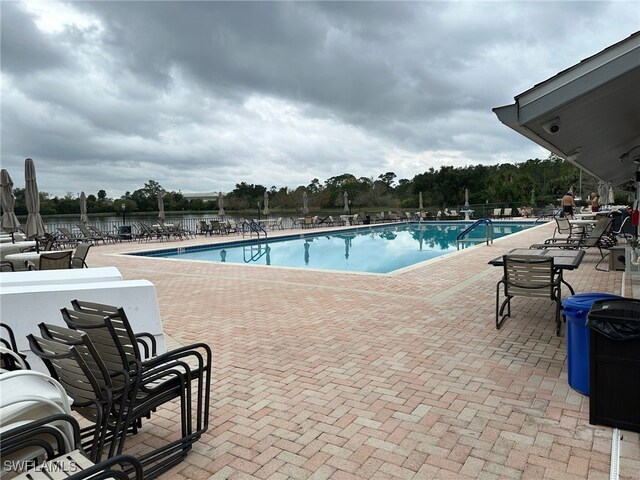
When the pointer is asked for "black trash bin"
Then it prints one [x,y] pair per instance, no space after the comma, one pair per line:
[614,363]
[124,232]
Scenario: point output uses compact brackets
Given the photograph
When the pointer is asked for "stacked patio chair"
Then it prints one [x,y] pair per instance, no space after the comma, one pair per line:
[59,454]
[25,397]
[73,361]
[116,395]
[163,378]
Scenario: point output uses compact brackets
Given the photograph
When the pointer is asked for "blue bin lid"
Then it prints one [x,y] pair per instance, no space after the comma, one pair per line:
[583,301]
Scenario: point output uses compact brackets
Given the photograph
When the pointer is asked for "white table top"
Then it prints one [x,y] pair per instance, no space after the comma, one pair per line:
[18,245]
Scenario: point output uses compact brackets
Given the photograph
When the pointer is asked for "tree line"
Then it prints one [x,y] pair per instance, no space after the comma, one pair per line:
[533,183]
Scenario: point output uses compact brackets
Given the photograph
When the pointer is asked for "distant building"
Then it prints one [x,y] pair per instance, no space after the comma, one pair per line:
[201,196]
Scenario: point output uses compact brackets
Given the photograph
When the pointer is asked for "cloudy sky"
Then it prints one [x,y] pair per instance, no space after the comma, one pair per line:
[200,96]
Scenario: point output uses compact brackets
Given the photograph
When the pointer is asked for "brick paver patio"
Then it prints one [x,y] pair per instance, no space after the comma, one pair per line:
[337,375]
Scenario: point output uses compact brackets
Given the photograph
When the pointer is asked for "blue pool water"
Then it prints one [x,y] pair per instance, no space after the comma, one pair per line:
[367,249]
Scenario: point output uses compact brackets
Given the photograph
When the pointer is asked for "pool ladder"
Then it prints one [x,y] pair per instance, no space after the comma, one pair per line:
[461,240]
[252,227]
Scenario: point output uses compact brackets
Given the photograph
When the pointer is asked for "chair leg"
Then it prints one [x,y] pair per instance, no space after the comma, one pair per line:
[500,318]
[558,300]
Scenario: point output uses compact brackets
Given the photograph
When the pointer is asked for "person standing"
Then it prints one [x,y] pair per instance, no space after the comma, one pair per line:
[568,204]
[595,202]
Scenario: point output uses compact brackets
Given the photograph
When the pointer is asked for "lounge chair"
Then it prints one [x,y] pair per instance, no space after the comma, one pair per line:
[528,276]
[507,213]
[107,236]
[66,237]
[592,240]
[232,226]
[168,230]
[497,213]
[183,231]
[217,227]
[205,228]
[88,235]
[564,232]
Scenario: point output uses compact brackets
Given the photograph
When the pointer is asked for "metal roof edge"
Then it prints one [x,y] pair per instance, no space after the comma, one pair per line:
[584,67]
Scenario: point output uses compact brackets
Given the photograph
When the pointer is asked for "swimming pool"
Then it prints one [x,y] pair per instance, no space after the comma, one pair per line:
[371,249]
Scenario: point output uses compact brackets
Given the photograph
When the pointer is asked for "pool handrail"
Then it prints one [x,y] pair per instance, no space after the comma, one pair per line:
[473,226]
[253,226]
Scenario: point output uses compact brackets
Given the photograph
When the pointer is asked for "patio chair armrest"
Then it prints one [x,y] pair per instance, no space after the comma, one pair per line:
[16,359]
[31,435]
[148,344]
[128,464]
[179,354]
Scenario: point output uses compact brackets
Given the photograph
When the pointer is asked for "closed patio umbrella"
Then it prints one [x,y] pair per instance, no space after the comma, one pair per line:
[83,208]
[466,199]
[161,206]
[266,210]
[612,198]
[34,226]
[420,205]
[220,204]
[603,192]
[346,202]
[305,203]
[10,222]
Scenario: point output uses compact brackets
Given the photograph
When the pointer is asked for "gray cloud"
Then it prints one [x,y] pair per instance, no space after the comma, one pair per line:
[202,95]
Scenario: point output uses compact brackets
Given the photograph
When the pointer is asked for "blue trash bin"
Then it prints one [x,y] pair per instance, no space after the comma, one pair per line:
[575,308]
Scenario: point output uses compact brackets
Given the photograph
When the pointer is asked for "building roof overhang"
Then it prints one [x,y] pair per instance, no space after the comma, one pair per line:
[588,114]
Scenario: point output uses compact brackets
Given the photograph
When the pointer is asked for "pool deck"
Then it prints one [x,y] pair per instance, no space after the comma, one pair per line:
[335,375]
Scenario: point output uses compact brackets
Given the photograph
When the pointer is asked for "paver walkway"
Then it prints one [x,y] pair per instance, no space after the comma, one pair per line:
[338,375]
